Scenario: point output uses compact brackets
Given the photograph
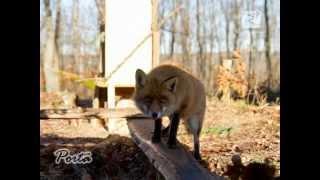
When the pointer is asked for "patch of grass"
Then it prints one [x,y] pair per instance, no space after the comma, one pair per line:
[241,104]
[217,130]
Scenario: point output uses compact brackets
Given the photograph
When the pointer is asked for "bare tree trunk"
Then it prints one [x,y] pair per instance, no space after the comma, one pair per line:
[185,38]
[42,78]
[57,24]
[254,40]
[101,19]
[51,56]
[204,45]
[58,56]
[227,38]
[236,22]
[211,58]
[215,36]
[162,39]
[200,42]
[212,35]
[172,42]
[102,49]
[173,29]
[250,53]
[236,40]
[226,10]
[219,49]
[76,37]
[250,72]
[267,43]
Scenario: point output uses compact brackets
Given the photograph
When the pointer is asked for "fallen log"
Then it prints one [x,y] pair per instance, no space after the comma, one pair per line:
[173,164]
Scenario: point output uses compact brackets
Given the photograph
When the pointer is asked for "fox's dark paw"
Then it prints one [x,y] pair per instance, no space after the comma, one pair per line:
[172,145]
[197,156]
[155,139]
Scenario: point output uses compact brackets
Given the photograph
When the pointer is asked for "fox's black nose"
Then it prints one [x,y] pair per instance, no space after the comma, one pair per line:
[154,115]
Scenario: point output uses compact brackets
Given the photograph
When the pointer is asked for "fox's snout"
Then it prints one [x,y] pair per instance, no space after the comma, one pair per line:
[153,110]
[155,115]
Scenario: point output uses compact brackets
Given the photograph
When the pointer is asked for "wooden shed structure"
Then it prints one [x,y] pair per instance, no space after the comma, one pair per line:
[130,43]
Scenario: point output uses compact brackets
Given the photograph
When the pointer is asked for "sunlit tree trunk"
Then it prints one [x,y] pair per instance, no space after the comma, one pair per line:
[267,43]
[51,54]
[101,20]
[76,41]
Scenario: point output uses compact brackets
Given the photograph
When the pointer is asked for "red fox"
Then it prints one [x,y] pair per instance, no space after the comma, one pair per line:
[170,91]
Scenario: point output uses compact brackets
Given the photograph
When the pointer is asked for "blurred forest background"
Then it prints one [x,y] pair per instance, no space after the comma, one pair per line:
[201,35]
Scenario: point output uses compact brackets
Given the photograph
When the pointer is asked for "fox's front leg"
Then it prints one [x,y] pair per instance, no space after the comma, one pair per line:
[156,138]
[165,131]
[172,141]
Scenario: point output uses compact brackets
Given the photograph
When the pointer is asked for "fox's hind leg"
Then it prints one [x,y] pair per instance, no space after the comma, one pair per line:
[195,125]
[196,145]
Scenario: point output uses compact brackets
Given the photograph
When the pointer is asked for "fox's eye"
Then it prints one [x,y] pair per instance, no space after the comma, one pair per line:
[163,100]
[147,100]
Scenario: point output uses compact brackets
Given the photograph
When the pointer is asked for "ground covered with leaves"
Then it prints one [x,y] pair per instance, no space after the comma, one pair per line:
[237,140]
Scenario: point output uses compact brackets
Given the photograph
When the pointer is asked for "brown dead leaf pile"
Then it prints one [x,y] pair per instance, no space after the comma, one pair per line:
[232,80]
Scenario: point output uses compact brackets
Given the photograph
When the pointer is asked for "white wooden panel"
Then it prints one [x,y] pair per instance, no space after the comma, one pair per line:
[128,22]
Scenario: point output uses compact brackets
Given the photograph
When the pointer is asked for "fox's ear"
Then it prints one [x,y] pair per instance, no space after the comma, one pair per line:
[140,78]
[171,84]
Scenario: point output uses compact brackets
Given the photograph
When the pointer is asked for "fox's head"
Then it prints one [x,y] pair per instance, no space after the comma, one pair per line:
[153,97]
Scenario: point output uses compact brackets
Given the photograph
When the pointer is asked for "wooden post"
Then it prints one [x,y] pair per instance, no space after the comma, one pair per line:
[111,96]
[155,34]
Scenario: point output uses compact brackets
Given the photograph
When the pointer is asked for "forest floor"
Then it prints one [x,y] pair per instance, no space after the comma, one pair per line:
[232,131]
